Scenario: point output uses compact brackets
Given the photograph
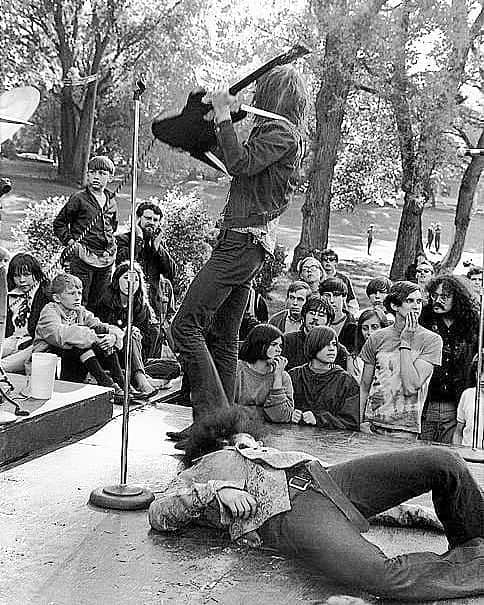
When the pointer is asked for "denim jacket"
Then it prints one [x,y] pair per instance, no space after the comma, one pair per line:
[264,168]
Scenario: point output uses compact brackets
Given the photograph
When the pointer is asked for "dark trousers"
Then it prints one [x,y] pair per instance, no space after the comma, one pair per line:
[94,281]
[73,370]
[316,530]
[439,420]
[205,328]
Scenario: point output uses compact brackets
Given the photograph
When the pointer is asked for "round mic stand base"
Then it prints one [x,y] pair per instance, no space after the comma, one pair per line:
[121,497]
[472,455]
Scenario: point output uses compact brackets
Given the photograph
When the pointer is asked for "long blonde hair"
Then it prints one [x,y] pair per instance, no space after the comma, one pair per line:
[283,91]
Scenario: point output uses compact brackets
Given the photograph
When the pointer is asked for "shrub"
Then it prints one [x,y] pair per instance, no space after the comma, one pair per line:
[34,233]
[187,229]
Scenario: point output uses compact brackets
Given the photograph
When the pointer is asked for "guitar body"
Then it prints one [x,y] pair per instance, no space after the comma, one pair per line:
[189,131]
[178,130]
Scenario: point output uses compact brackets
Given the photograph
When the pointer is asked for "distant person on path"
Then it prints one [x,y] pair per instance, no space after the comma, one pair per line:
[311,271]
[399,362]
[430,236]
[289,320]
[329,259]
[265,170]
[438,231]
[87,223]
[369,238]
[453,314]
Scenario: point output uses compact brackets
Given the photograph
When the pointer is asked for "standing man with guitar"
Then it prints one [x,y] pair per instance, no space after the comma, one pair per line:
[86,225]
[264,170]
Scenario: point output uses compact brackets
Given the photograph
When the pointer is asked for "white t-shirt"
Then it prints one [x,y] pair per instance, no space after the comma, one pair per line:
[388,406]
[465,415]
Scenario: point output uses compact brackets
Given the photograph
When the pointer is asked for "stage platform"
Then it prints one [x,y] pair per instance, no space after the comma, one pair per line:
[57,550]
[73,410]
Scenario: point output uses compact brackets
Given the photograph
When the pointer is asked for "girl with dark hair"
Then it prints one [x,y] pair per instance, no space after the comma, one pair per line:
[27,296]
[369,321]
[113,309]
[265,170]
[261,379]
[326,395]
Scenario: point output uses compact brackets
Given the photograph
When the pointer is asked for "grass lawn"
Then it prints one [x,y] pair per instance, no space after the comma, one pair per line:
[347,231]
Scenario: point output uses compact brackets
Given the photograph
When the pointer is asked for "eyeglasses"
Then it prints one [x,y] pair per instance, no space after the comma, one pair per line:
[330,258]
[444,297]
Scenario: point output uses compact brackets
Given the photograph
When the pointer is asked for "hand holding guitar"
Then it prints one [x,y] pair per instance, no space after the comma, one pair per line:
[223,104]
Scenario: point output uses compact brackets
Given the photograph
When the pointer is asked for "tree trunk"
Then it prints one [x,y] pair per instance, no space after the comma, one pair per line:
[330,112]
[409,240]
[82,148]
[67,135]
[465,200]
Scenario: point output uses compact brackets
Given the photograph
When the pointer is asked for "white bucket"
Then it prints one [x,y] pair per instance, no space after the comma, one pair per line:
[44,367]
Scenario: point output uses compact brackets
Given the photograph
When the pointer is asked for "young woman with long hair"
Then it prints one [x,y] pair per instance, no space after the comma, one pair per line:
[369,321]
[325,394]
[261,379]
[27,295]
[113,309]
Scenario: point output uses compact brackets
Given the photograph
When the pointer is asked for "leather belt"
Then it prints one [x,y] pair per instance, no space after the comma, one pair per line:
[237,236]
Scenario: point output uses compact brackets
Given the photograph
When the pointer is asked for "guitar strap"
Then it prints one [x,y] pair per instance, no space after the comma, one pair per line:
[249,109]
[68,249]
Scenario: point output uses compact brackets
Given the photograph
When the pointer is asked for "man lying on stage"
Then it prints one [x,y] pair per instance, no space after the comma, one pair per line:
[291,503]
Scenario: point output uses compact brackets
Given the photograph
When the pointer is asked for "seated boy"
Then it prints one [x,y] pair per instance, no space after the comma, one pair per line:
[84,343]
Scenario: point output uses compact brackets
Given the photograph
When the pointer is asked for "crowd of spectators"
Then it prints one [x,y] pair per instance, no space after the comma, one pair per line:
[401,363]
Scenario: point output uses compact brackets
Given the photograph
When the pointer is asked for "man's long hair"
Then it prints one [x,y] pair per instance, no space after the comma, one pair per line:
[465,307]
[282,90]
[215,431]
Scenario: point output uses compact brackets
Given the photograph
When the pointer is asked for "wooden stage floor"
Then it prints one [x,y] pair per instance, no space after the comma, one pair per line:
[55,549]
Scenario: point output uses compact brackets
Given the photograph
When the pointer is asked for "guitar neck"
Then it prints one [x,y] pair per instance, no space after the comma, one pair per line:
[292,55]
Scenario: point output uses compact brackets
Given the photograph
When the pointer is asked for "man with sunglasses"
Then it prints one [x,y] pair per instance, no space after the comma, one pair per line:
[453,313]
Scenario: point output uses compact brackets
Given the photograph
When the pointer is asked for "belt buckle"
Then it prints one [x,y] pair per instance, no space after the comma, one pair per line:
[299,483]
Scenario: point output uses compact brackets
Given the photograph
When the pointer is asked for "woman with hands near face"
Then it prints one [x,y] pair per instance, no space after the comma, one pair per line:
[262,380]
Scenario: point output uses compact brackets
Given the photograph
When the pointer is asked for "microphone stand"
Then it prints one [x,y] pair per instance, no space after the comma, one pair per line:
[123,496]
[476,453]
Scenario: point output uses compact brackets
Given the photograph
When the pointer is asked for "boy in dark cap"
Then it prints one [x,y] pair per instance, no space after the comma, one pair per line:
[86,224]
